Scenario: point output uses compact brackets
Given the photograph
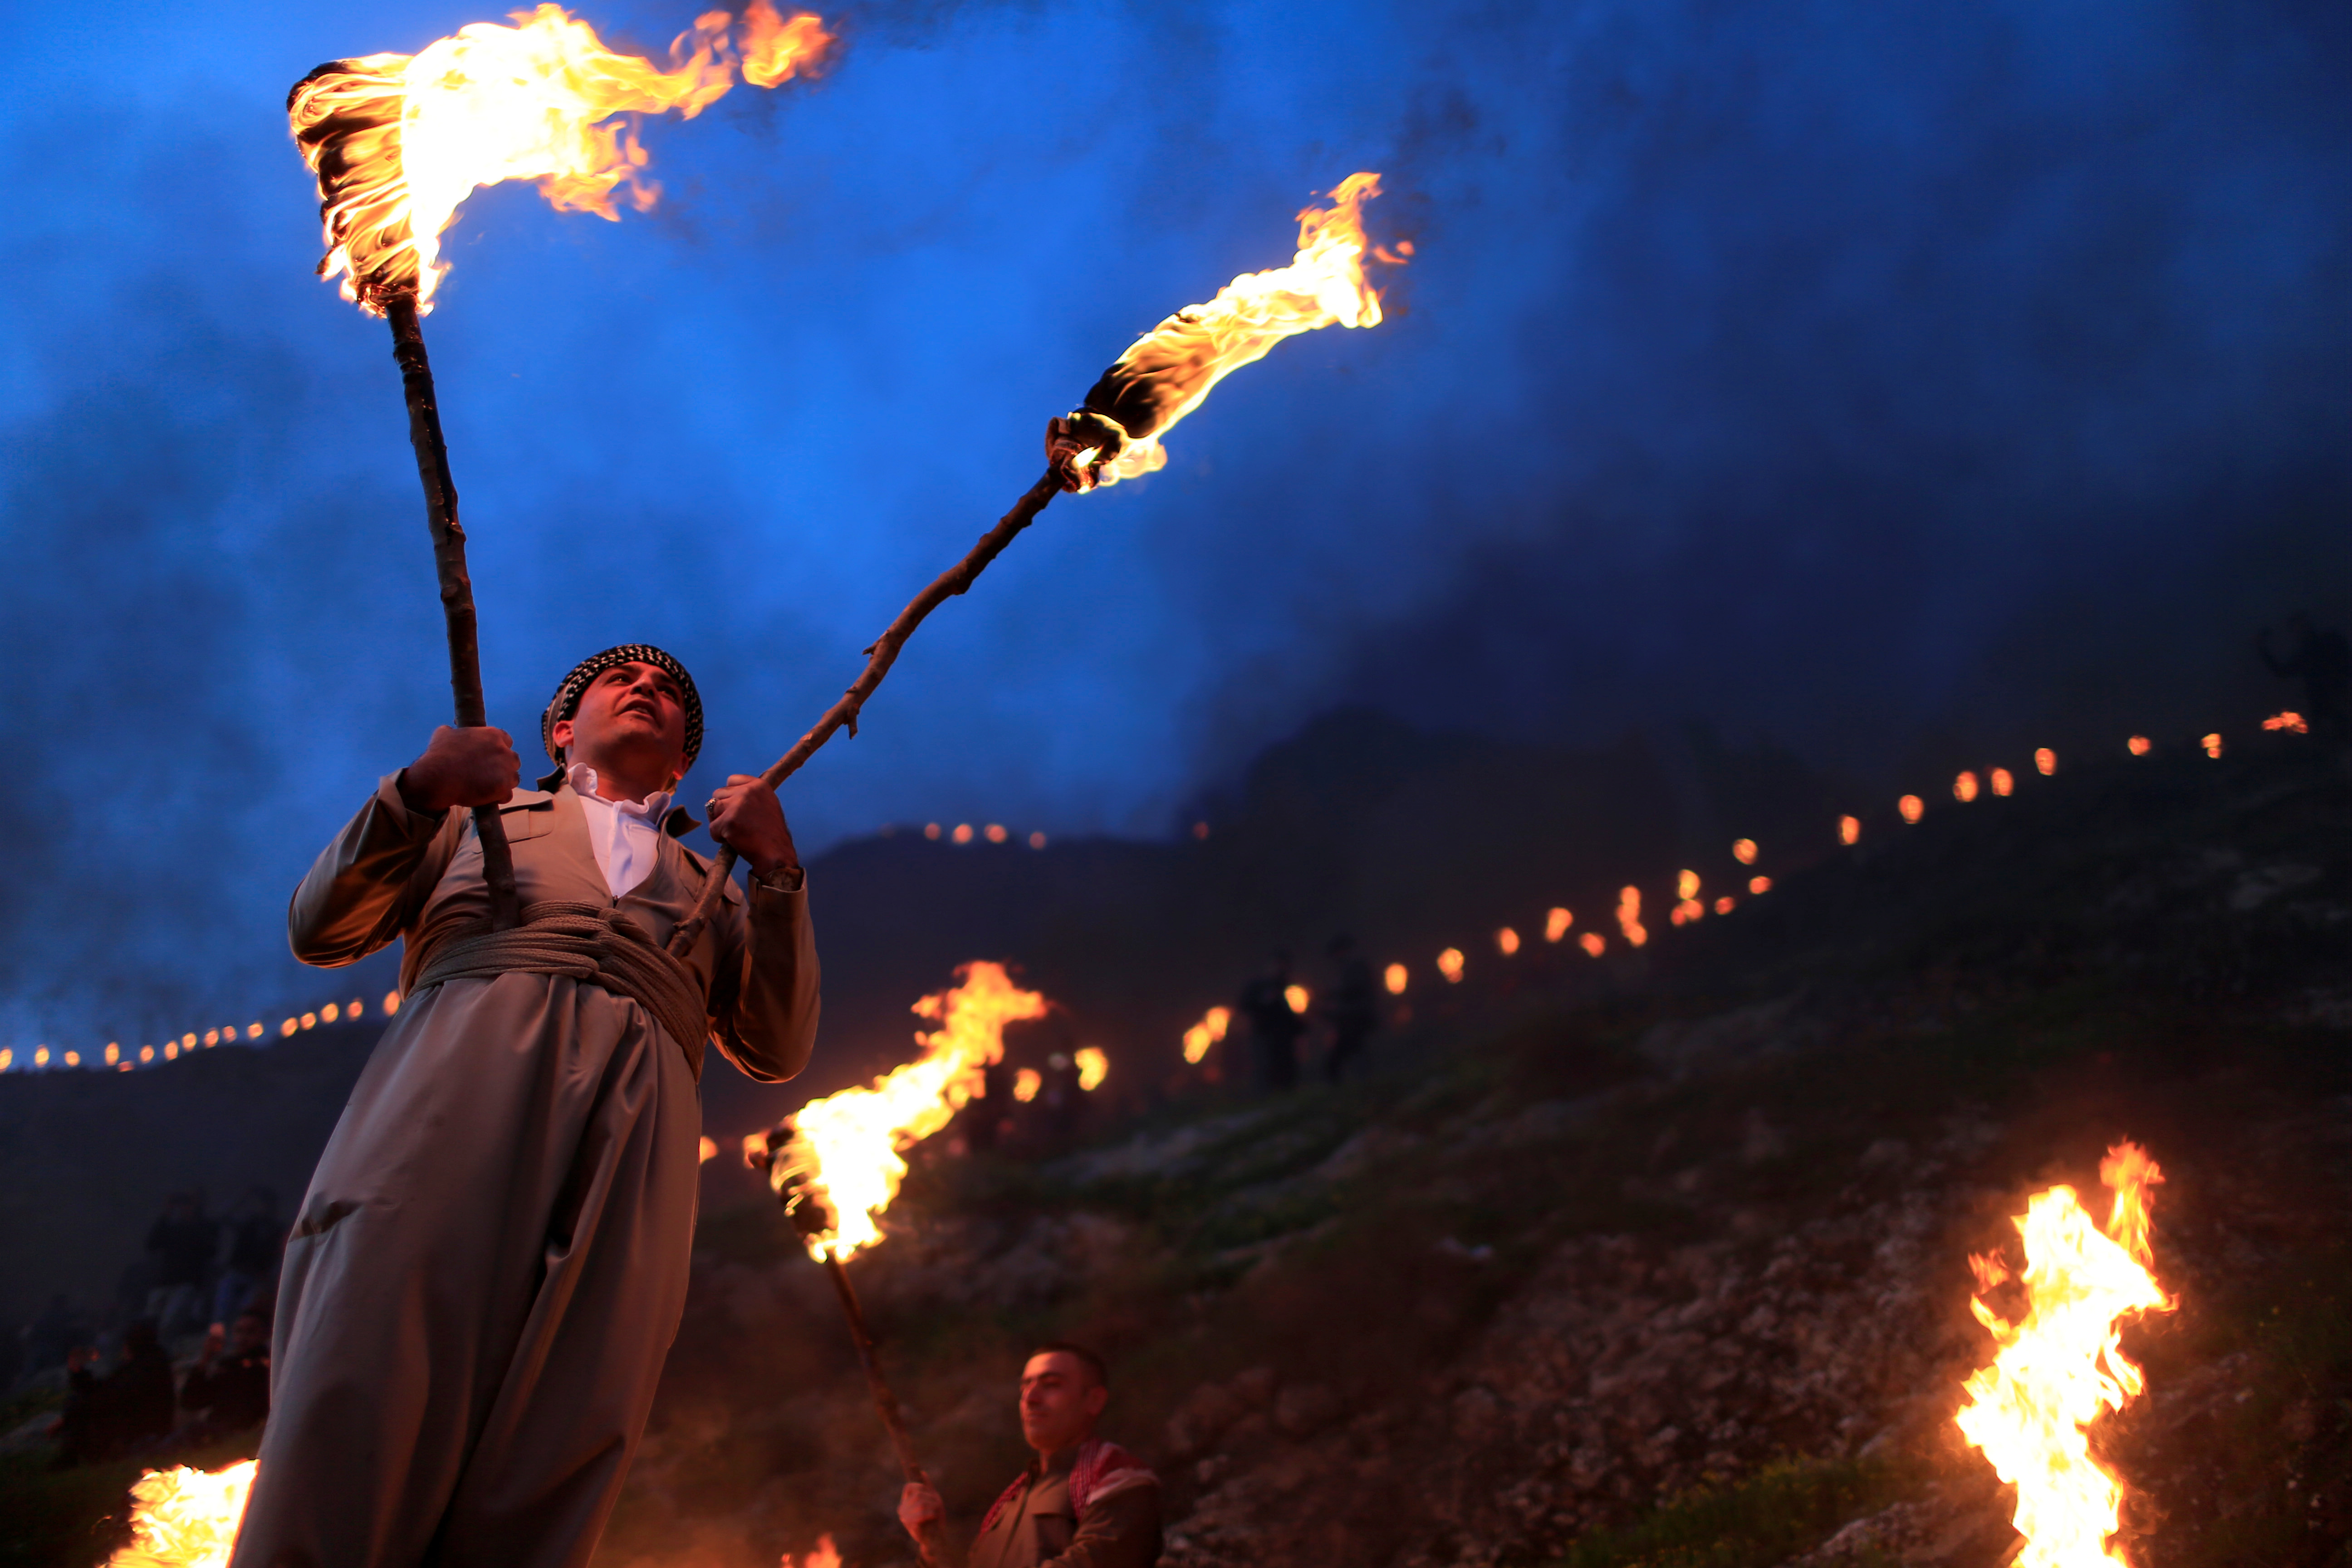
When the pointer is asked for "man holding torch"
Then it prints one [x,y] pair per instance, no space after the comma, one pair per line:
[1081,1503]
[491,1263]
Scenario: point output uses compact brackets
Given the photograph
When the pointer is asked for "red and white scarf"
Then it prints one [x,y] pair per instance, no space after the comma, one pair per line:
[1100,1469]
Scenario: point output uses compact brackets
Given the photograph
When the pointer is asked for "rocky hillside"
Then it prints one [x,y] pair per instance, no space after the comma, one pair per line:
[1661,1260]
[1358,823]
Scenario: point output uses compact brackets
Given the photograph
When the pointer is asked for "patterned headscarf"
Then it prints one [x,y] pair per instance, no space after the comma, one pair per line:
[566,700]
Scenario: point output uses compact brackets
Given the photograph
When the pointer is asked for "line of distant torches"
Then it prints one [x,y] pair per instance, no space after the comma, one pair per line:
[188,1044]
[1452,964]
[993,833]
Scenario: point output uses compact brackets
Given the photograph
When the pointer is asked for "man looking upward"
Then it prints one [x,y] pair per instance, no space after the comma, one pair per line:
[491,1262]
[1082,1502]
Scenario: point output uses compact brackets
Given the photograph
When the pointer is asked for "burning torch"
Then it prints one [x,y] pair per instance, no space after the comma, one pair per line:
[1116,432]
[398,141]
[836,1162]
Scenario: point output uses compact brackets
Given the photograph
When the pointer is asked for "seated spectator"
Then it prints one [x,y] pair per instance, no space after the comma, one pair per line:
[49,1337]
[181,1244]
[228,1392]
[255,1238]
[107,1417]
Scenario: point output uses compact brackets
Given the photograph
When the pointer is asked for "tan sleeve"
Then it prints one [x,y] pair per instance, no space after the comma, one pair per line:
[366,886]
[1117,1531]
[769,1026]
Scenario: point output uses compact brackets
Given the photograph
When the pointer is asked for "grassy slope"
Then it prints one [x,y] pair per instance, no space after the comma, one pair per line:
[1950,1020]
[2154,953]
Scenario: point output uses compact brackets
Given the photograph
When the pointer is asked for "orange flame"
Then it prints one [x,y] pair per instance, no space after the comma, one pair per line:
[1094,1065]
[1449,965]
[1506,941]
[1629,915]
[844,1149]
[1849,829]
[2290,721]
[1593,943]
[1396,978]
[185,1518]
[1912,807]
[2003,782]
[2045,761]
[399,141]
[1964,788]
[1297,996]
[1744,851]
[1556,923]
[822,1555]
[1171,369]
[1207,1033]
[2137,745]
[2031,1409]
[2212,744]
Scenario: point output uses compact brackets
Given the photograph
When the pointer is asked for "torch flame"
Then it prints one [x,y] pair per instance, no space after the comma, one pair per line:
[1171,369]
[822,1556]
[1207,1033]
[185,1518]
[2031,1410]
[398,141]
[844,1150]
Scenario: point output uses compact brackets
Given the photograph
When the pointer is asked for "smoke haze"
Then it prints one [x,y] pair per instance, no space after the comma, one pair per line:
[1895,383]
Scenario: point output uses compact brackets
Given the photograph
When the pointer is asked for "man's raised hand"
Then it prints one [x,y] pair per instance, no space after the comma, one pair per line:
[461,767]
[746,816]
[919,1508]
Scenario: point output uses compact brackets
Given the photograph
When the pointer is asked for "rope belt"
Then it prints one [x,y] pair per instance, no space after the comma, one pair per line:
[594,942]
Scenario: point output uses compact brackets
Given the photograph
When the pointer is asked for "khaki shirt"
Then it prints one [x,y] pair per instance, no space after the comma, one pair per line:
[1038,1529]
[395,875]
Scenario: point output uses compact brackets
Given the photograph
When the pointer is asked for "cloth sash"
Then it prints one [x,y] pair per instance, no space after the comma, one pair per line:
[1099,1470]
[594,942]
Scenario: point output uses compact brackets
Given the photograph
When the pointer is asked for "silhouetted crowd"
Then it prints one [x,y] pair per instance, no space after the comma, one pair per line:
[197,1276]
[1349,1009]
[2321,660]
[1046,1116]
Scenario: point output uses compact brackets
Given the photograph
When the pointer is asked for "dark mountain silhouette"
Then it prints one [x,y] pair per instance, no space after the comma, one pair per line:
[1408,839]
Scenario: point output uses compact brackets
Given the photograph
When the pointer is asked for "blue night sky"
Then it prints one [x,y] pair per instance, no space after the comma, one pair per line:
[1882,379]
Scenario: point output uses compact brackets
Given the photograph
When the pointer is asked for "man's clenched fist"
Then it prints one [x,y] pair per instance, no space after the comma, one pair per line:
[745,816]
[919,1508]
[461,767]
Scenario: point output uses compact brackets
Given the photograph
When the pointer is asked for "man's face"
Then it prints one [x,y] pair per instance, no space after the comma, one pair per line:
[631,710]
[1059,1401]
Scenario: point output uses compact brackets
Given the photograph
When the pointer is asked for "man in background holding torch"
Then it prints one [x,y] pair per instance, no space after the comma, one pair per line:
[1082,1502]
[491,1262]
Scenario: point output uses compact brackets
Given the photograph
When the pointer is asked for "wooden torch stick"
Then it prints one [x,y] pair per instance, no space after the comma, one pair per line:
[811,1219]
[878,660]
[885,1401]
[457,586]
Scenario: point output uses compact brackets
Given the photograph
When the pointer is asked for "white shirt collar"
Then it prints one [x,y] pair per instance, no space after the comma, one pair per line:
[625,833]
[653,808]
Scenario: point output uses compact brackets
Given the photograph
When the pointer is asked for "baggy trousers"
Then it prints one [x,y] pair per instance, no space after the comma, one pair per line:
[485,1279]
